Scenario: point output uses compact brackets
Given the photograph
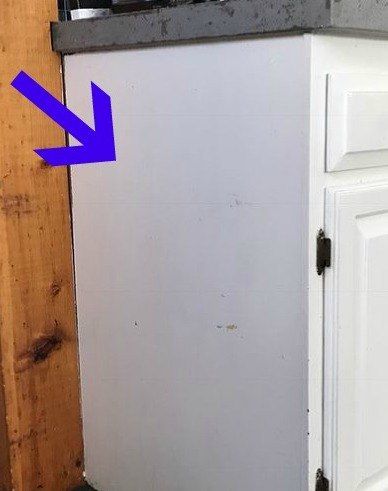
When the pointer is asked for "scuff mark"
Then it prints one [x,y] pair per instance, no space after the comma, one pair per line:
[231,327]
[228,327]
[235,202]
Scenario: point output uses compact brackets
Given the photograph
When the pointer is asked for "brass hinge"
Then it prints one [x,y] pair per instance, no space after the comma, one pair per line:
[323,252]
[321,483]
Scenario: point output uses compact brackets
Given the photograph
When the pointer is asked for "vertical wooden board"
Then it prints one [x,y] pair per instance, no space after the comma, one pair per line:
[41,415]
[5,474]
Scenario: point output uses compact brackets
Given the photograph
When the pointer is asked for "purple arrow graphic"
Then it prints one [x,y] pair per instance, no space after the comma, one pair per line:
[97,145]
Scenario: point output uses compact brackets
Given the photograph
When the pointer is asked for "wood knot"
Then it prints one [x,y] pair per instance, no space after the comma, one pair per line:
[44,164]
[55,289]
[43,346]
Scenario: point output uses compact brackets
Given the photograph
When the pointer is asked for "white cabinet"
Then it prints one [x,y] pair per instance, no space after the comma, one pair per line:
[357,118]
[213,357]
[356,292]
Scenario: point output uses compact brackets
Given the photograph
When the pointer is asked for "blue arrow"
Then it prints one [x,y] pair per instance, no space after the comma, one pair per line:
[98,145]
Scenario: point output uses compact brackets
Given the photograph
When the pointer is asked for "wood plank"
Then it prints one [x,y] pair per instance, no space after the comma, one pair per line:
[40,422]
[5,474]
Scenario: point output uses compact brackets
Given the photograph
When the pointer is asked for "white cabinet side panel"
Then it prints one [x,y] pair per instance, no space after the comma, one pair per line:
[190,253]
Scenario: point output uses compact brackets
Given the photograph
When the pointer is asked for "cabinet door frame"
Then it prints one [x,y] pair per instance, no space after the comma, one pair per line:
[338,208]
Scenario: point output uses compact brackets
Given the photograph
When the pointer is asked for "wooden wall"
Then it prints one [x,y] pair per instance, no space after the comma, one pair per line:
[40,423]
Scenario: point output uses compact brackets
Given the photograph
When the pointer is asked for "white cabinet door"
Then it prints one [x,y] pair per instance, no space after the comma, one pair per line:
[356,339]
[357,116]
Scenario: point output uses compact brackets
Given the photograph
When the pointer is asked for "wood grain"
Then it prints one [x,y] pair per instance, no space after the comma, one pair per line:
[40,423]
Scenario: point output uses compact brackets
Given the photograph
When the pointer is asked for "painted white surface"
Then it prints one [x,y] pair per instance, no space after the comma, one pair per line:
[356,295]
[191,268]
[186,233]
[357,120]
[330,55]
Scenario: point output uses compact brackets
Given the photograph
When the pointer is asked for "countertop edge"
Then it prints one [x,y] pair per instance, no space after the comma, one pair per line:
[217,21]
[190,22]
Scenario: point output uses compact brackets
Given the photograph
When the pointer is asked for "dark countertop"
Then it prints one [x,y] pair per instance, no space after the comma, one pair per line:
[212,20]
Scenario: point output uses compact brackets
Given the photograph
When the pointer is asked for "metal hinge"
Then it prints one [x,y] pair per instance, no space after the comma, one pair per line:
[323,252]
[322,483]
